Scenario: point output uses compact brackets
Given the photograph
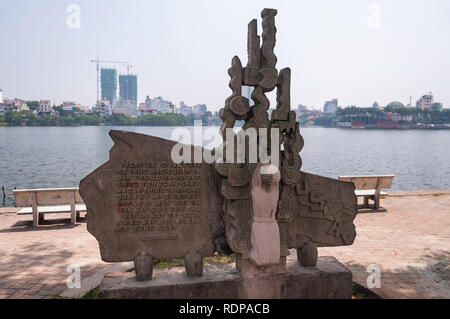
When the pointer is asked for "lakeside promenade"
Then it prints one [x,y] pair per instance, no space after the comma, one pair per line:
[409,239]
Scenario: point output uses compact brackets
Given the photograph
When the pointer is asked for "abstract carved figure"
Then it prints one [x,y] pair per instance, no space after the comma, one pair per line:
[265,235]
[312,211]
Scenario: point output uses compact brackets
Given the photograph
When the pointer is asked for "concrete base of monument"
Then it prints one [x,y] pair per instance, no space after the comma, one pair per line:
[329,279]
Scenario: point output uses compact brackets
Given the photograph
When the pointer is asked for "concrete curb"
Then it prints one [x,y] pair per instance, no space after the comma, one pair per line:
[432,192]
[94,281]
[9,210]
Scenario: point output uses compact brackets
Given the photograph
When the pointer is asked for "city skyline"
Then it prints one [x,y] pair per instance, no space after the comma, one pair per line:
[334,49]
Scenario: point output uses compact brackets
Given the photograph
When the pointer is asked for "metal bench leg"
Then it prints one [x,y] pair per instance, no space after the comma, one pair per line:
[366,201]
[377,202]
[376,198]
[35,220]
[73,213]
[41,217]
[35,210]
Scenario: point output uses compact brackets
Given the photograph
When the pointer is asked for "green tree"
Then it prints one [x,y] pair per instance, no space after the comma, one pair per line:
[32,105]
[13,118]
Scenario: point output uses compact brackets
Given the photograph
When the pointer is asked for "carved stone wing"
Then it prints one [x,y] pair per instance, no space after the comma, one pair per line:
[320,210]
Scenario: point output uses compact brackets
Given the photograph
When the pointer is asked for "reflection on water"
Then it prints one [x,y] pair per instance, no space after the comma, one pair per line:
[32,157]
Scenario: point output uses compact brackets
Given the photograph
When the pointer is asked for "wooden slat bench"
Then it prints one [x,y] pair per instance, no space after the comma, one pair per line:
[370,187]
[43,201]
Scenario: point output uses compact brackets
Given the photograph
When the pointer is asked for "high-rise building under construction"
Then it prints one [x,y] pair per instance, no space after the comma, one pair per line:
[128,88]
[109,84]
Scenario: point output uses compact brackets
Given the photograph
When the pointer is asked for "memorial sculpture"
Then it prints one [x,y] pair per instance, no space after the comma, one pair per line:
[265,235]
[142,206]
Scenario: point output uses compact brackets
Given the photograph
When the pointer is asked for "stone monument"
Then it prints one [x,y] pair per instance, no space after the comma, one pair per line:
[143,206]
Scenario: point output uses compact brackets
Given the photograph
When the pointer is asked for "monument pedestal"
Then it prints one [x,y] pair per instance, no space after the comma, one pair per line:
[329,279]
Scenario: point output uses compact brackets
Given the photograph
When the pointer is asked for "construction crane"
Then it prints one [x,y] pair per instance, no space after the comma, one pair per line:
[97,61]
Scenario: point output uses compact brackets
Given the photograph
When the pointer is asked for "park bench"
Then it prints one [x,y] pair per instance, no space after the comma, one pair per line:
[370,187]
[43,201]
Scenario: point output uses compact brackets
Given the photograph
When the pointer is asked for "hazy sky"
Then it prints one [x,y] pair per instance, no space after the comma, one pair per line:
[181,50]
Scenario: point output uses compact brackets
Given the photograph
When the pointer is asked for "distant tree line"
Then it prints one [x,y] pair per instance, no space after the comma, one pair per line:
[69,118]
[433,115]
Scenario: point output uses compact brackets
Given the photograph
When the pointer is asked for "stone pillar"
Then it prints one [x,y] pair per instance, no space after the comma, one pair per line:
[307,255]
[193,263]
[143,266]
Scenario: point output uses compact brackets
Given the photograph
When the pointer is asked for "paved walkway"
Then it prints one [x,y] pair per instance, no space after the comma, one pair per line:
[34,262]
[410,242]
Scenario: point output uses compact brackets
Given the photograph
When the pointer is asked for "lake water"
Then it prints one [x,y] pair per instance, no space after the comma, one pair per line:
[41,157]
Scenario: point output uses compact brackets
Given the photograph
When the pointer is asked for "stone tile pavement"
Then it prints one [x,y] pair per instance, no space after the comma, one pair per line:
[410,241]
[33,263]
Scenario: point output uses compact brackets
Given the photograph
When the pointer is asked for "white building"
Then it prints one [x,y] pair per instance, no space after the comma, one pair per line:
[186,110]
[1,96]
[15,105]
[125,107]
[144,109]
[160,105]
[125,110]
[45,106]
[199,109]
[302,109]
[21,105]
[70,106]
[330,106]
[102,108]
[84,108]
[425,102]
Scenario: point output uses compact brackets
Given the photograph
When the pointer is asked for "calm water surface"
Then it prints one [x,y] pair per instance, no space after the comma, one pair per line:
[41,157]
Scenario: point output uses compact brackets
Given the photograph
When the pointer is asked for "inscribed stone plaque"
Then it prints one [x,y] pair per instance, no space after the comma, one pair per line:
[141,201]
